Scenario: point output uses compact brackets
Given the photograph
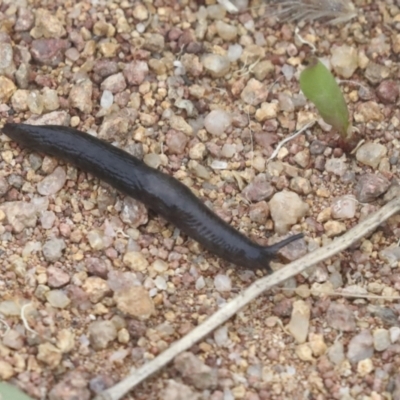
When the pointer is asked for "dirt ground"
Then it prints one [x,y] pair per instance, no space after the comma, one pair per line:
[93,285]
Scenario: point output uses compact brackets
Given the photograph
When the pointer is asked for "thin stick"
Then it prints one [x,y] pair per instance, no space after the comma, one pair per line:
[24,320]
[287,139]
[339,244]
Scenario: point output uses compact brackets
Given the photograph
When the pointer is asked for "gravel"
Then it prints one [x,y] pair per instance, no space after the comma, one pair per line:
[205,96]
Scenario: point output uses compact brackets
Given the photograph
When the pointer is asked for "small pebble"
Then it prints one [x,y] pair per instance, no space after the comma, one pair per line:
[360,347]
[299,321]
[221,336]
[365,367]
[195,372]
[344,60]
[217,121]
[52,183]
[53,248]
[107,99]
[49,354]
[371,154]
[217,65]
[135,301]
[222,283]
[101,333]
[286,208]
[340,317]
[381,339]
[57,298]
[371,186]
[336,353]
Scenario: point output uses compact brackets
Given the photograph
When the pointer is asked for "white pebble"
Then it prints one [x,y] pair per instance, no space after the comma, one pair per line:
[223,283]
[344,207]
[221,336]
[234,52]
[153,292]
[107,99]
[299,321]
[217,65]
[200,283]
[217,121]
[57,299]
[160,283]
[218,164]
[159,266]
[394,332]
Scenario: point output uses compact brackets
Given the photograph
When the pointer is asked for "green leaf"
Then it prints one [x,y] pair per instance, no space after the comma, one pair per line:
[321,88]
[10,392]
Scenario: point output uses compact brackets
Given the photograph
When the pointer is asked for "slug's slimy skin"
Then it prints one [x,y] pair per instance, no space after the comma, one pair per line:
[160,192]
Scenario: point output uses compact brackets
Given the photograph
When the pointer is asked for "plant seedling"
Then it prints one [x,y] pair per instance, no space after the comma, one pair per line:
[9,392]
[320,87]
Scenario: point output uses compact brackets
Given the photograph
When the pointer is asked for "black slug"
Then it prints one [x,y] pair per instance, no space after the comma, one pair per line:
[162,193]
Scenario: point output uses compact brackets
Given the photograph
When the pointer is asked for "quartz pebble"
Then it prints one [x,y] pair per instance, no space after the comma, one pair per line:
[49,354]
[178,391]
[234,52]
[52,183]
[80,96]
[47,25]
[96,288]
[217,65]
[226,31]
[135,301]
[10,308]
[107,99]
[101,333]
[344,207]
[394,333]
[20,215]
[7,89]
[195,372]
[336,166]
[344,60]
[6,370]
[200,283]
[13,339]
[221,336]
[217,122]
[286,208]
[299,321]
[135,261]
[334,228]
[336,353]
[222,283]
[254,93]
[57,298]
[371,154]
[114,83]
[381,339]
[317,344]
[53,248]
[365,367]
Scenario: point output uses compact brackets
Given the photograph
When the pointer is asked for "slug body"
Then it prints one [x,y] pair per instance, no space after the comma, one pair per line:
[162,193]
